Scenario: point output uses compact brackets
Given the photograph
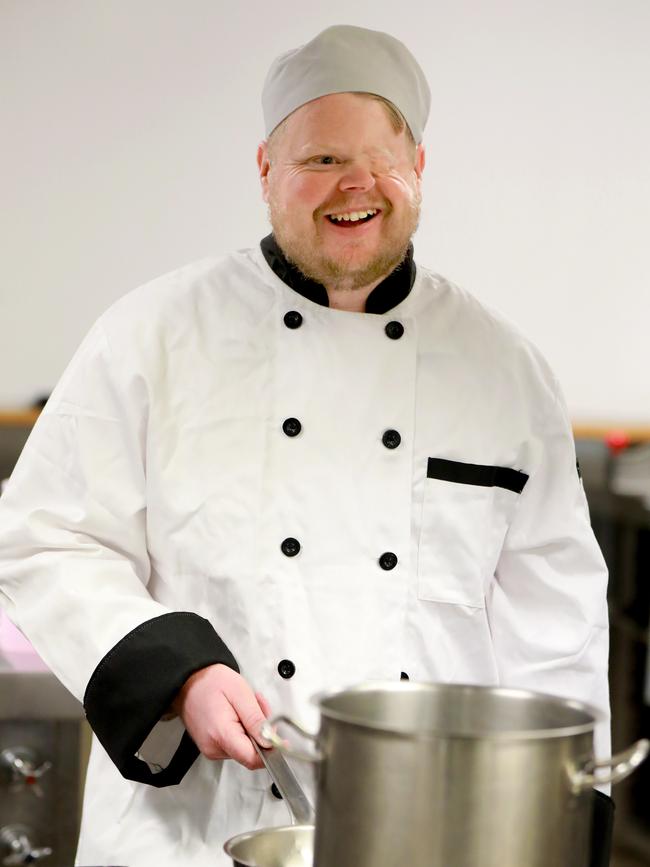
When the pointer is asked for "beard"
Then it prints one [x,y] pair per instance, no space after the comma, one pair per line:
[345,272]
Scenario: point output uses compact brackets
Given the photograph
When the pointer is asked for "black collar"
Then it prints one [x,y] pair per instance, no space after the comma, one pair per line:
[388,294]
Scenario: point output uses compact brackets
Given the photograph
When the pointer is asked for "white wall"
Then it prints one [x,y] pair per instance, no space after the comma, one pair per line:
[129,130]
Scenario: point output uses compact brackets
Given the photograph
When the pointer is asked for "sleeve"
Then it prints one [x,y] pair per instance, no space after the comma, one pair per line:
[74,565]
[547,606]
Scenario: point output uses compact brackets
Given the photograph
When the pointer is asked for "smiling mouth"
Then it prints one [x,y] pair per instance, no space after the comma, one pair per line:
[351,219]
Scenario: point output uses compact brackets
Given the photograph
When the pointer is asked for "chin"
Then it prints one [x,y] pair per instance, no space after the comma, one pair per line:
[354,252]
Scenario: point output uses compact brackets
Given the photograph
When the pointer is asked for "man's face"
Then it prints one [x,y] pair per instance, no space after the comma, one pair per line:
[340,156]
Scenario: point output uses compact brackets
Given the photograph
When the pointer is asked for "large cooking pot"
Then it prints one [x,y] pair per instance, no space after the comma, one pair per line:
[435,775]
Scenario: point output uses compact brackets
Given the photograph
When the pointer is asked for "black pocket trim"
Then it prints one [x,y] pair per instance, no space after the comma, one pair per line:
[476,474]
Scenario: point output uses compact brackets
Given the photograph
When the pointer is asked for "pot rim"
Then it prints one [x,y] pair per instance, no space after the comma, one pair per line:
[415,686]
[230,844]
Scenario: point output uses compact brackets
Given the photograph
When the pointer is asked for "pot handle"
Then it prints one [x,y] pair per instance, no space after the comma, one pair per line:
[620,766]
[269,732]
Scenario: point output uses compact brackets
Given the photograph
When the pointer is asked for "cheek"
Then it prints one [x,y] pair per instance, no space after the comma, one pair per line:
[309,192]
[399,189]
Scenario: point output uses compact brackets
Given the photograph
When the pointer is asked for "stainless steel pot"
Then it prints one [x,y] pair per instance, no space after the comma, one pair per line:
[434,775]
[286,846]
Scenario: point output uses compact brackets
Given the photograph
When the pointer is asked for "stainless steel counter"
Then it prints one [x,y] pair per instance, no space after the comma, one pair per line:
[29,690]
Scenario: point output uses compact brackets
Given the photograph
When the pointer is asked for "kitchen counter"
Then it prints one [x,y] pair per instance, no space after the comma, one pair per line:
[29,690]
[41,718]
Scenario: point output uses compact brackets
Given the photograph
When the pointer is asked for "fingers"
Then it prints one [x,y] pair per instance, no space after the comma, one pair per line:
[237,745]
[221,712]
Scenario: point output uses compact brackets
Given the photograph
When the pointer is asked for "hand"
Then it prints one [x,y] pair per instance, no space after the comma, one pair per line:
[222,713]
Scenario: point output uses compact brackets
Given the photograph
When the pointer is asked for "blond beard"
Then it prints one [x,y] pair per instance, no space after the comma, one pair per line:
[335,274]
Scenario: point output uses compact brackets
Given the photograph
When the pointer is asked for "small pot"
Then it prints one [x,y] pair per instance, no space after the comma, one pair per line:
[291,846]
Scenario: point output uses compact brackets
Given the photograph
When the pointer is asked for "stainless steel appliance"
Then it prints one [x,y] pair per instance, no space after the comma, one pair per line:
[39,765]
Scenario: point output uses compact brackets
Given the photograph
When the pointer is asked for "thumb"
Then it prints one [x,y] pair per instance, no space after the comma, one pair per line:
[249,707]
[266,710]
[263,703]
[236,737]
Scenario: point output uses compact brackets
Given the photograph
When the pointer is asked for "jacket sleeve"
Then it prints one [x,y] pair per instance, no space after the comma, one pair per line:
[548,603]
[74,565]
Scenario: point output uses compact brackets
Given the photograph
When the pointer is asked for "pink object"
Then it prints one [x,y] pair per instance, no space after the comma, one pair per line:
[11,638]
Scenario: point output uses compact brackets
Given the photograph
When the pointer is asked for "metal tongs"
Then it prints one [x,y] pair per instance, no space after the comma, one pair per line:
[302,812]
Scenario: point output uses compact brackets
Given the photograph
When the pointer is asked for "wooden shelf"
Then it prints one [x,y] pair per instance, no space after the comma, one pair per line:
[581,430]
[18,417]
[601,430]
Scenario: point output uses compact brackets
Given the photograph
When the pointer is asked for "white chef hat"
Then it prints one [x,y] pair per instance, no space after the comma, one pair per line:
[346,59]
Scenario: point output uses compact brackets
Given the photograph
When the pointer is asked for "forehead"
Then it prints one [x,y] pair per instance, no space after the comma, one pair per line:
[340,118]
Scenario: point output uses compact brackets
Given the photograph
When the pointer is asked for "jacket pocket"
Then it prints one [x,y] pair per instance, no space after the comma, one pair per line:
[465,514]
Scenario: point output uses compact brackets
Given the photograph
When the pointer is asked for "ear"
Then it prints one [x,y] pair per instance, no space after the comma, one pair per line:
[419,161]
[264,166]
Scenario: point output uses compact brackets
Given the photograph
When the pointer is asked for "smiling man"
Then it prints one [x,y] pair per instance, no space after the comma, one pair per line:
[299,467]
[342,178]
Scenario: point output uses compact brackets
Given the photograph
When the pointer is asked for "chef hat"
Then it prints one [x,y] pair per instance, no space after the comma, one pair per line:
[345,59]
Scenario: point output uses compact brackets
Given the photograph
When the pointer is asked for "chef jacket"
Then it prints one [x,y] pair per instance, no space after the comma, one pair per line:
[231,471]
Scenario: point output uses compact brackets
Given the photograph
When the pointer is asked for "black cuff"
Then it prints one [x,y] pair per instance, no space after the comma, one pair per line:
[135,683]
[601,830]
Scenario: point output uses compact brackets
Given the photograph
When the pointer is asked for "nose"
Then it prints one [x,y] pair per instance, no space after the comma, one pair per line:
[357,177]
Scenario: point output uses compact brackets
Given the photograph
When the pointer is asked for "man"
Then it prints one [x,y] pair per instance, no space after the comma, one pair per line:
[299,467]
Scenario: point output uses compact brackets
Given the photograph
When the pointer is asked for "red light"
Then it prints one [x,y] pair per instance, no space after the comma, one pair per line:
[617,440]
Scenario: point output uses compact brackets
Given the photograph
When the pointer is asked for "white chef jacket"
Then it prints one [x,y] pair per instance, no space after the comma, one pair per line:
[159,479]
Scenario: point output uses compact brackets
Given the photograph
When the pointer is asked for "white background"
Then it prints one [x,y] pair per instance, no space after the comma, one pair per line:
[129,131]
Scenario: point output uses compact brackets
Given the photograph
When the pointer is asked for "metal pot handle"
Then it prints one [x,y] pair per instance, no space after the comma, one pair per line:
[269,732]
[620,766]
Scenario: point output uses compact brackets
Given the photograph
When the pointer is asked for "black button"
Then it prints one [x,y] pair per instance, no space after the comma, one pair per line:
[293,319]
[391,439]
[290,547]
[291,426]
[286,669]
[388,560]
[404,676]
[394,330]
[276,792]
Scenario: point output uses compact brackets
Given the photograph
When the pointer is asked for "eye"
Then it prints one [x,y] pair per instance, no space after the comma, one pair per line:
[324,160]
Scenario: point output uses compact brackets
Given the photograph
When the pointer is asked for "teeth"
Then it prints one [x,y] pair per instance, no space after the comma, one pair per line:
[353,216]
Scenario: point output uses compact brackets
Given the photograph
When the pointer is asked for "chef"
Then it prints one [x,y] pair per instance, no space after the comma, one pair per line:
[307,464]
